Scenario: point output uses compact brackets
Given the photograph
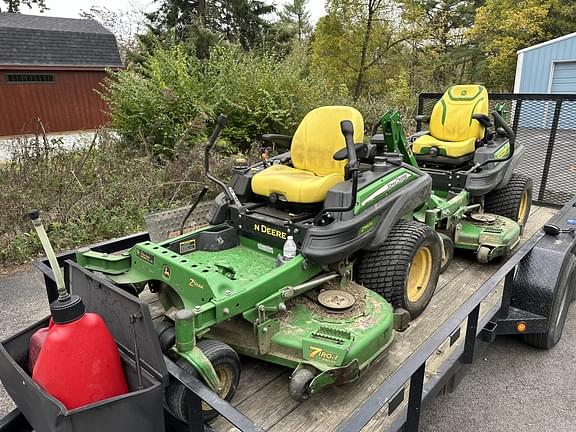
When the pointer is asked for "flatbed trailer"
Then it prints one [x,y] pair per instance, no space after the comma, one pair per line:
[470,307]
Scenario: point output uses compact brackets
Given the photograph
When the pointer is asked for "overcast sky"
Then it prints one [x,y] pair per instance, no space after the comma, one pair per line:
[71,8]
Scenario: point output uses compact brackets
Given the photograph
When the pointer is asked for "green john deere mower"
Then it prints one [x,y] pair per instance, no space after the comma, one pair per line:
[478,203]
[290,268]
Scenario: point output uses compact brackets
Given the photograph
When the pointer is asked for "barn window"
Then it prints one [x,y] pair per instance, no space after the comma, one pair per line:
[28,78]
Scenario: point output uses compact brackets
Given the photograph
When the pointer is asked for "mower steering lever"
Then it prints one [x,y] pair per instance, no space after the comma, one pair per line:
[220,123]
[347,129]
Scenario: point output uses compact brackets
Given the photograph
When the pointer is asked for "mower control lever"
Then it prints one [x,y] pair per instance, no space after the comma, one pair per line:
[347,129]
[220,123]
[483,119]
[342,154]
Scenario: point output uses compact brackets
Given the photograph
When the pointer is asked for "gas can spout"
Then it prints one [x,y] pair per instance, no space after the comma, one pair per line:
[47,246]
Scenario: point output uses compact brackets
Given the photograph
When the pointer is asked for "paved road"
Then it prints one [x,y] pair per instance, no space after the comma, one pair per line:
[513,388]
[22,302]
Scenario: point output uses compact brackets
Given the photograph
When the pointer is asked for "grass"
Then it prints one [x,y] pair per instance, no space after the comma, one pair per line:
[92,194]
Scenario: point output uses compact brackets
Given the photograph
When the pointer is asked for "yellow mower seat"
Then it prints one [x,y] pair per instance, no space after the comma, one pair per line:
[314,170]
[452,129]
[447,148]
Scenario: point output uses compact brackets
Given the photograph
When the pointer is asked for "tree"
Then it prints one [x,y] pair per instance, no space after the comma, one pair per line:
[357,45]
[240,20]
[502,27]
[13,6]
[125,24]
[237,21]
[441,53]
[295,15]
[176,15]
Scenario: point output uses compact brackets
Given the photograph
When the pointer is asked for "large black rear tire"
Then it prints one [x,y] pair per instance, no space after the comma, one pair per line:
[512,201]
[405,268]
[227,365]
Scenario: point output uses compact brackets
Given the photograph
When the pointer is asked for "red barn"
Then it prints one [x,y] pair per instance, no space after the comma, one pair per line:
[51,69]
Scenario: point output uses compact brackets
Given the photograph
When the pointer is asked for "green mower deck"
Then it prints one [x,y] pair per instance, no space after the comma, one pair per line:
[241,296]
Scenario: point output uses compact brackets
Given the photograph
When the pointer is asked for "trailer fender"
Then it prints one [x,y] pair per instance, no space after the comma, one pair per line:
[544,285]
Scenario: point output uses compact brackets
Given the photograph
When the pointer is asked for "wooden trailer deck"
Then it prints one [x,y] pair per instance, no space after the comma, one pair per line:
[263,391]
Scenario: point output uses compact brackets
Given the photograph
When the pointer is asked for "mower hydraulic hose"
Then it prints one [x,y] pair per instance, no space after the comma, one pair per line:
[37,222]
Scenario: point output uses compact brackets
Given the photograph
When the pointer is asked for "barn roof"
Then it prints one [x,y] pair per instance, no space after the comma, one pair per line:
[30,40]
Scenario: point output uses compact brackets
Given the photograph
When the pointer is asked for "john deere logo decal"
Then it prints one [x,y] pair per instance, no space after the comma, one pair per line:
[166,272]
[389,187]
[368,226]
[502,151]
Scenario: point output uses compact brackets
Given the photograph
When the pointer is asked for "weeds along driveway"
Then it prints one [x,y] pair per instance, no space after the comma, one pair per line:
[67,141]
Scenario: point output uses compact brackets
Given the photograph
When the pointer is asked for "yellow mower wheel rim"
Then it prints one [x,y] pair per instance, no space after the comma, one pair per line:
[225,375]
[523,207]
[419,274]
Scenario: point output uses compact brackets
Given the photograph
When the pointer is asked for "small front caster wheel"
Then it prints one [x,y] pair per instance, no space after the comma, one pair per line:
[226,363]
[166,335]
[483,254]
[448,254]
[299,382]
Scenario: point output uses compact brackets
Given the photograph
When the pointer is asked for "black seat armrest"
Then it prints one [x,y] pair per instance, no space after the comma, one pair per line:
[422,118]
[281,140]
[342,154]
[483,119]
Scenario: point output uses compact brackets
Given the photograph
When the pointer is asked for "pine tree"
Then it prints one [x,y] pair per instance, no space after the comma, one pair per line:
[236,20]
[13,6]
[295,15]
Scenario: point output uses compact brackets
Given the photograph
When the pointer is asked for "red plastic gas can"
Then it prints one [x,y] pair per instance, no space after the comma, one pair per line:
[79,363]
[36,342]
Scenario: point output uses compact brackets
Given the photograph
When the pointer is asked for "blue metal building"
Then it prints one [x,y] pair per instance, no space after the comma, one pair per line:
[549,68]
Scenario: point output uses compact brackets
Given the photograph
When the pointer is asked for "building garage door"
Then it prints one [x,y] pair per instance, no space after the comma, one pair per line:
[564,78]
[564,82]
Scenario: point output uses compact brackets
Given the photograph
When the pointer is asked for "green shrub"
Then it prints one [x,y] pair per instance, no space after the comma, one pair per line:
[174,97]
[160,105]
